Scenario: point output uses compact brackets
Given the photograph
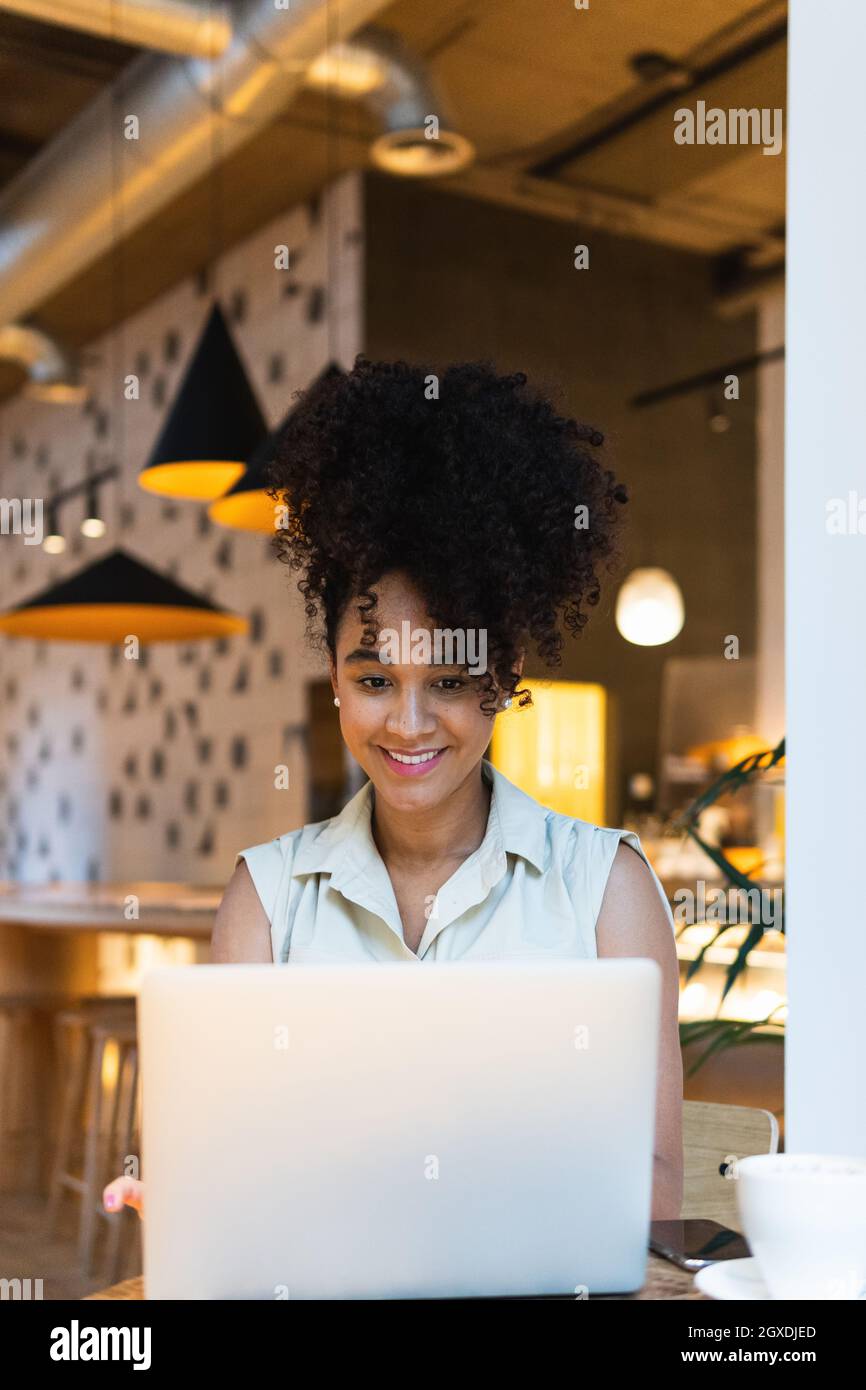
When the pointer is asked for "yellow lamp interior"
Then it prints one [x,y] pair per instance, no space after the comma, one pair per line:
[199,480]
[246,511]
[112,622]
[555,750]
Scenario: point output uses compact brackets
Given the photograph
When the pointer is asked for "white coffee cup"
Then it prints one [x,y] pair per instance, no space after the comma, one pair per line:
[804,1216]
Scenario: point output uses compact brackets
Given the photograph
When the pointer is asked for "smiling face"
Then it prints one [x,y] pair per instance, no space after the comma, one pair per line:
[415,726]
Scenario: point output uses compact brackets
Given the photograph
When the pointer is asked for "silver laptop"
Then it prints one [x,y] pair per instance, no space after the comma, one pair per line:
[398,1131]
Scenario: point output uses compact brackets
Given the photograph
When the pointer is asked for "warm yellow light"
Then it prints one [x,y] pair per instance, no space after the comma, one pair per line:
[412,154]
[694,1000]
[110,1065]
[724,753]
[351,73]
[122,958]
[93,527]
[555,749]
[746,859]
[54,544]
[57,392]
[112,622]
[761,1004]
[246,511]
[649,608]
[199,480]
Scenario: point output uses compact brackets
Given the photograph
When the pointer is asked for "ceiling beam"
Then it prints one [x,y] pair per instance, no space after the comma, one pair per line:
[616,213]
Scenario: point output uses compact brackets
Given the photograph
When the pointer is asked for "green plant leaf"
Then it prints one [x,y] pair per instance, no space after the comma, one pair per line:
[731,781]
[695,965]
[756,765]
[741,960]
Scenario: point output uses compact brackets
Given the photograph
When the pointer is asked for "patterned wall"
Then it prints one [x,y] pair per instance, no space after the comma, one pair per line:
[163,768]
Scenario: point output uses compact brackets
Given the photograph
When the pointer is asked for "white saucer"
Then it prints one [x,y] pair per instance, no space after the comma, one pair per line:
[732,1279]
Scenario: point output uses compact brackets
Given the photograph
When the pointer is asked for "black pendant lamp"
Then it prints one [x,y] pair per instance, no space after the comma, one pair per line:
[213,426]
[117,597]
[246,506]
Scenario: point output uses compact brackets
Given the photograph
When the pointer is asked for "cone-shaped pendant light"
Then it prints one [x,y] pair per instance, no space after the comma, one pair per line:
[247,506]
[114,598]
[213,426]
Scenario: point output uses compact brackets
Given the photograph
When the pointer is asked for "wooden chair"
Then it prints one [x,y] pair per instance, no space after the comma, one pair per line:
[714,1136]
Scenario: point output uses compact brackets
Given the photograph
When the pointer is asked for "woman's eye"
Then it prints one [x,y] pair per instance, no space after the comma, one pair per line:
[448,684]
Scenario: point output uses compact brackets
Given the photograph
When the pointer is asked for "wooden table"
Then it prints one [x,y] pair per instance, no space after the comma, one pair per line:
[664,1280]
[52,934]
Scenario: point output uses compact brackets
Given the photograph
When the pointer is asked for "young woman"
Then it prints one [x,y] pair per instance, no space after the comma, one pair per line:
[423,513]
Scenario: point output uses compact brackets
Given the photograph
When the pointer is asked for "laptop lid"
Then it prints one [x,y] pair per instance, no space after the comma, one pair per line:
[384,1131]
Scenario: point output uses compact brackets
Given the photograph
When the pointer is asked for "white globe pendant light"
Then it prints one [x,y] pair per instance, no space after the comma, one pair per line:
[649,608]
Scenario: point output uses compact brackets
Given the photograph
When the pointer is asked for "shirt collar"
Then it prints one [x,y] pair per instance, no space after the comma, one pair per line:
[522,821]
[344,846]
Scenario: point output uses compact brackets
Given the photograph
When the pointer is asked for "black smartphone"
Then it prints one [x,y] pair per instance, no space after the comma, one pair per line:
[693,1244]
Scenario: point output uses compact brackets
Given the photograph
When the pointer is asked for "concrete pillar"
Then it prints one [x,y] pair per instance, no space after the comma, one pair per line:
[825,1087]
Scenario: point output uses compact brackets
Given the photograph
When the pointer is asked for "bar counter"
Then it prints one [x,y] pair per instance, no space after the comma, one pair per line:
[163,909]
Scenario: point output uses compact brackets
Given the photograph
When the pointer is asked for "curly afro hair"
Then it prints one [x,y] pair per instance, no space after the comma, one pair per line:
[471,493]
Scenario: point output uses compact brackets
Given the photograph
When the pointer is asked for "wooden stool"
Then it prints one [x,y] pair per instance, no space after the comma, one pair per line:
[27,1073]
[24,1061]
[122,1244]
[86,1033]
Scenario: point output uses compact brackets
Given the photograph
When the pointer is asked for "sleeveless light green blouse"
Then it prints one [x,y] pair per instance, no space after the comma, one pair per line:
[532,889]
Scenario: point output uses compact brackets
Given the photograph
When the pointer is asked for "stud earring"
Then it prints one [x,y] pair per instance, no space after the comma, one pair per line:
[337,701]
[506,703]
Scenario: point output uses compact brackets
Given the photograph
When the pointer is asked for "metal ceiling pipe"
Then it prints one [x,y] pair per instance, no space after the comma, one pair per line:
[418,140]
[105,174]
[195,28]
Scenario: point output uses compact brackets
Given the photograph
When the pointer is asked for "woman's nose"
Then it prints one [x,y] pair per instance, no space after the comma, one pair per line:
[409,714]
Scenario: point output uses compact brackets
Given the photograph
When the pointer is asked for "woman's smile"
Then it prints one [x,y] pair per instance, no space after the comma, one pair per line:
[412,762]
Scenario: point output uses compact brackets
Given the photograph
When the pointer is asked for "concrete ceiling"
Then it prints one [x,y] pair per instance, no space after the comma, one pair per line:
[562,119]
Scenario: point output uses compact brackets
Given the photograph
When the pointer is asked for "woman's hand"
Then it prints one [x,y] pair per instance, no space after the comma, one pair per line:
[124,1192]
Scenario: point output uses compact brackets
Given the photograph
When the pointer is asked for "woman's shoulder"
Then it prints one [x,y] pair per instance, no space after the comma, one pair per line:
[553,839]
[583,847]
[587,854]
[309,849]
[580,853]
[273,855]
[277,848]
[577,839]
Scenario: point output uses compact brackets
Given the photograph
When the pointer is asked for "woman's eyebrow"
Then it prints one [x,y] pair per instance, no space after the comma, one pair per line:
[361,654]
[364,654]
